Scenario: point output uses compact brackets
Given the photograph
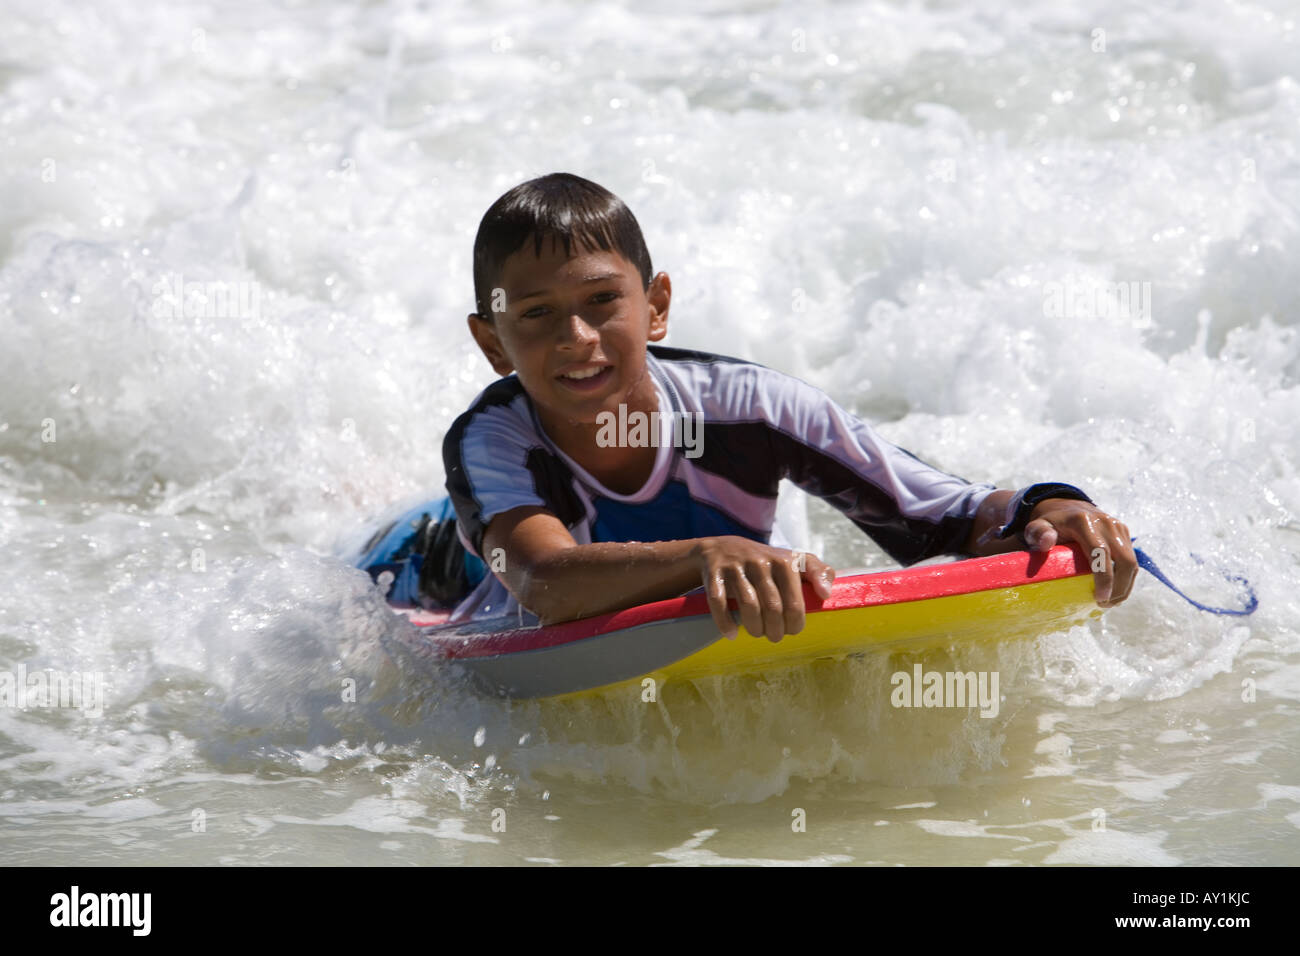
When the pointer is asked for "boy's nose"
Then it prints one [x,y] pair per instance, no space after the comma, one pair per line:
[577,329]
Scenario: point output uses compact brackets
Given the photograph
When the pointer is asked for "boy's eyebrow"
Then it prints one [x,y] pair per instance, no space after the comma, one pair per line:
[585,280]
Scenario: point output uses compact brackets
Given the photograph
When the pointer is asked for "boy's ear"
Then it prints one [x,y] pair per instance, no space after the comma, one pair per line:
[659,295]
[485,334]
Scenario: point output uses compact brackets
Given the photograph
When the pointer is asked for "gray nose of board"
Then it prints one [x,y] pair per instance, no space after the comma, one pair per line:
[581,665]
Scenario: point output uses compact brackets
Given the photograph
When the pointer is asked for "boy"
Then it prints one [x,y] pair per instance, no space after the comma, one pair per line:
[577,517]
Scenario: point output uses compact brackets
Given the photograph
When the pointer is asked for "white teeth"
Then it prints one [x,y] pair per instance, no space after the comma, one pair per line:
[587,374]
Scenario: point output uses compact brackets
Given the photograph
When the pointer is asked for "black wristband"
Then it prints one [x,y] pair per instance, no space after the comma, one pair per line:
[1022,505]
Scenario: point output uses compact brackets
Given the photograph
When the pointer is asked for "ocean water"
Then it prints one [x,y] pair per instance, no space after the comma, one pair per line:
[1043,240]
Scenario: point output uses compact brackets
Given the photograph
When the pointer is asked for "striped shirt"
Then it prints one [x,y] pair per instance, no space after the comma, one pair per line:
[756,427]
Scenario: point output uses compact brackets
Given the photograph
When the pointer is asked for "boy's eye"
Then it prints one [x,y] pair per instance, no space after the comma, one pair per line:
[600,298]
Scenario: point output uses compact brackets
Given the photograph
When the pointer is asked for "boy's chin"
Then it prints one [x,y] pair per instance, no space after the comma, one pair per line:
[592,416]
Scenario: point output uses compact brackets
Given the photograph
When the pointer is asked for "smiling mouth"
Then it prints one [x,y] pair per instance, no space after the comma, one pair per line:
[587,380]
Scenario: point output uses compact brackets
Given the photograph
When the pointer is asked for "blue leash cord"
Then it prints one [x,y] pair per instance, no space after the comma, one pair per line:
[1252,602]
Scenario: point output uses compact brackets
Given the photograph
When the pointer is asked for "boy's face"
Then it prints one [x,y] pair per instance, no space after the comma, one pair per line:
[575,314]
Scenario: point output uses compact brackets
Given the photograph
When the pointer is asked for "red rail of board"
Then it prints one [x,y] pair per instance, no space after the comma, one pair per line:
[857,590]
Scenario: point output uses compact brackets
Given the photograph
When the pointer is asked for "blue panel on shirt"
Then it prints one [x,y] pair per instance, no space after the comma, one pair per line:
[671,516]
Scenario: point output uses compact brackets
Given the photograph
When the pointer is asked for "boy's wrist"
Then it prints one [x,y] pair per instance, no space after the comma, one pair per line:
[1020,509]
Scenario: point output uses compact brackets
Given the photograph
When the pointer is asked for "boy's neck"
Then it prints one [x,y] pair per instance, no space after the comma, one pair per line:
[622,469]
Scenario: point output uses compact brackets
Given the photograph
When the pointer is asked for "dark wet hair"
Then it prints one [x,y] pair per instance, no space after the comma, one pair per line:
[563,208]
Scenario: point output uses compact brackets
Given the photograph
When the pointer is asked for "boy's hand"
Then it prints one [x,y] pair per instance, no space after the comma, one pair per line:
[765,582]
[1105,539]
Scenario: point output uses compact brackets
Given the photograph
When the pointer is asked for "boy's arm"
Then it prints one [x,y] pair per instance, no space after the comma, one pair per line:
[560,580]
[914,511]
